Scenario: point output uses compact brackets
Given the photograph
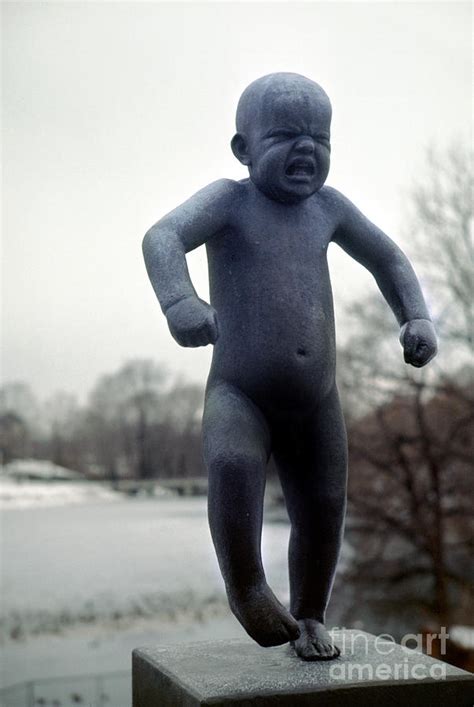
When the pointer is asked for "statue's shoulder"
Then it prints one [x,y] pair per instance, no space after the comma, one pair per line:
[336,205]
[224,193]
[332,198]
[228,188]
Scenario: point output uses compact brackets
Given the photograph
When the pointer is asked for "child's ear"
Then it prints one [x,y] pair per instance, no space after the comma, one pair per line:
[240,148]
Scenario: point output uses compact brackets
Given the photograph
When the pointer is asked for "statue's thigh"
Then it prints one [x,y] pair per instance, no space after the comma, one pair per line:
[233,427]
[311,457]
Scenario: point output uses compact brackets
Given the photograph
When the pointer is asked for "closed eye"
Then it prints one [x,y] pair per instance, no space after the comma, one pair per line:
[323,139]
[281,133]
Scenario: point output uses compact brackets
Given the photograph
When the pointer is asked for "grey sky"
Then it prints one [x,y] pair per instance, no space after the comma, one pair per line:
[116,112]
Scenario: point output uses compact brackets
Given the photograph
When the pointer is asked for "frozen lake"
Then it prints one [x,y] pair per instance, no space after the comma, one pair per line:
[83,584]
[86,577]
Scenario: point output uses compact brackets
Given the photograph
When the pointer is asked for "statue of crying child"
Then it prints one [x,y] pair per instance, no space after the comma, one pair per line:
[271,387]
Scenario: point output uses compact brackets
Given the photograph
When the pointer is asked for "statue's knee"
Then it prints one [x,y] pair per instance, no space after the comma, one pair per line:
[229,465]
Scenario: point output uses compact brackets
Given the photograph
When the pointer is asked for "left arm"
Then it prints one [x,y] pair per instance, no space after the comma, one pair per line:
[395,277]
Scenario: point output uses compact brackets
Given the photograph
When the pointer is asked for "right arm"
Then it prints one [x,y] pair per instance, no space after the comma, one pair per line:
[192,321]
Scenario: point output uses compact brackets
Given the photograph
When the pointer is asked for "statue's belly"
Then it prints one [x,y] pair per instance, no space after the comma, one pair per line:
[280,355]
[274,306]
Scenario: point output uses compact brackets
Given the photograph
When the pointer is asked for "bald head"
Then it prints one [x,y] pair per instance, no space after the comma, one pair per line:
[282,118]
[275,90]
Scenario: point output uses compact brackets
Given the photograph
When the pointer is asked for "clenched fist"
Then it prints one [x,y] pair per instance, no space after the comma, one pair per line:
[193,322]
[418,339]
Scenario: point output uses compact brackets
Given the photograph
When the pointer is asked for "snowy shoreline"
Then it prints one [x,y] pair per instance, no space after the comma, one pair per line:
[18,495]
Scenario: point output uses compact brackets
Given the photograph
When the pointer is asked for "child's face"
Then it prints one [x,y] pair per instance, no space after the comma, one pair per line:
[289,146]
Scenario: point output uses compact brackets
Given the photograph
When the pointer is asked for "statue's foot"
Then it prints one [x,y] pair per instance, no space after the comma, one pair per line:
[263,617]
[314,642]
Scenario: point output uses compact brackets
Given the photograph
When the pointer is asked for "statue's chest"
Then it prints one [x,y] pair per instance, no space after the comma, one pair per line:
[281,235]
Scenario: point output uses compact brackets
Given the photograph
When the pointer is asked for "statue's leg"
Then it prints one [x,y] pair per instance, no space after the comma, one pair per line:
[236,451]
[312,463]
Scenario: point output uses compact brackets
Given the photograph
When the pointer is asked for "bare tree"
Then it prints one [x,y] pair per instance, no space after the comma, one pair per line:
[139,423]
[180,439]
[411,501]
[442,219]
[123,408]
[410,432]
[15,440]
[61,417]
[19,421]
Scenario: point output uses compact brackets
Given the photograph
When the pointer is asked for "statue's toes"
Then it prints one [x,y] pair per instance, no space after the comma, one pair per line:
[315,649]
[305,649]
[314,642]
[325,651]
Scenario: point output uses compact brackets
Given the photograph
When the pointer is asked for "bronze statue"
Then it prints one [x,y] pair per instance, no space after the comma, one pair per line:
[271,387]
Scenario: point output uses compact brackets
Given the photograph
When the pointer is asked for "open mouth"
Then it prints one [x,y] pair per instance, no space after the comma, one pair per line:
[300,168]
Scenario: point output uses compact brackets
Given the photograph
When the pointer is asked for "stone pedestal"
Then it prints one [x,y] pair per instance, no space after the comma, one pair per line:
[369,673]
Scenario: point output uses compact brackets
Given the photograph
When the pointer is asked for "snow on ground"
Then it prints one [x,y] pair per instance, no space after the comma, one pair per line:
[39,469]
[16,494]
[463,636]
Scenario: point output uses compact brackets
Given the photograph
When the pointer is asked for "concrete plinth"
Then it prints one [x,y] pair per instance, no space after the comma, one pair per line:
[369,673]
